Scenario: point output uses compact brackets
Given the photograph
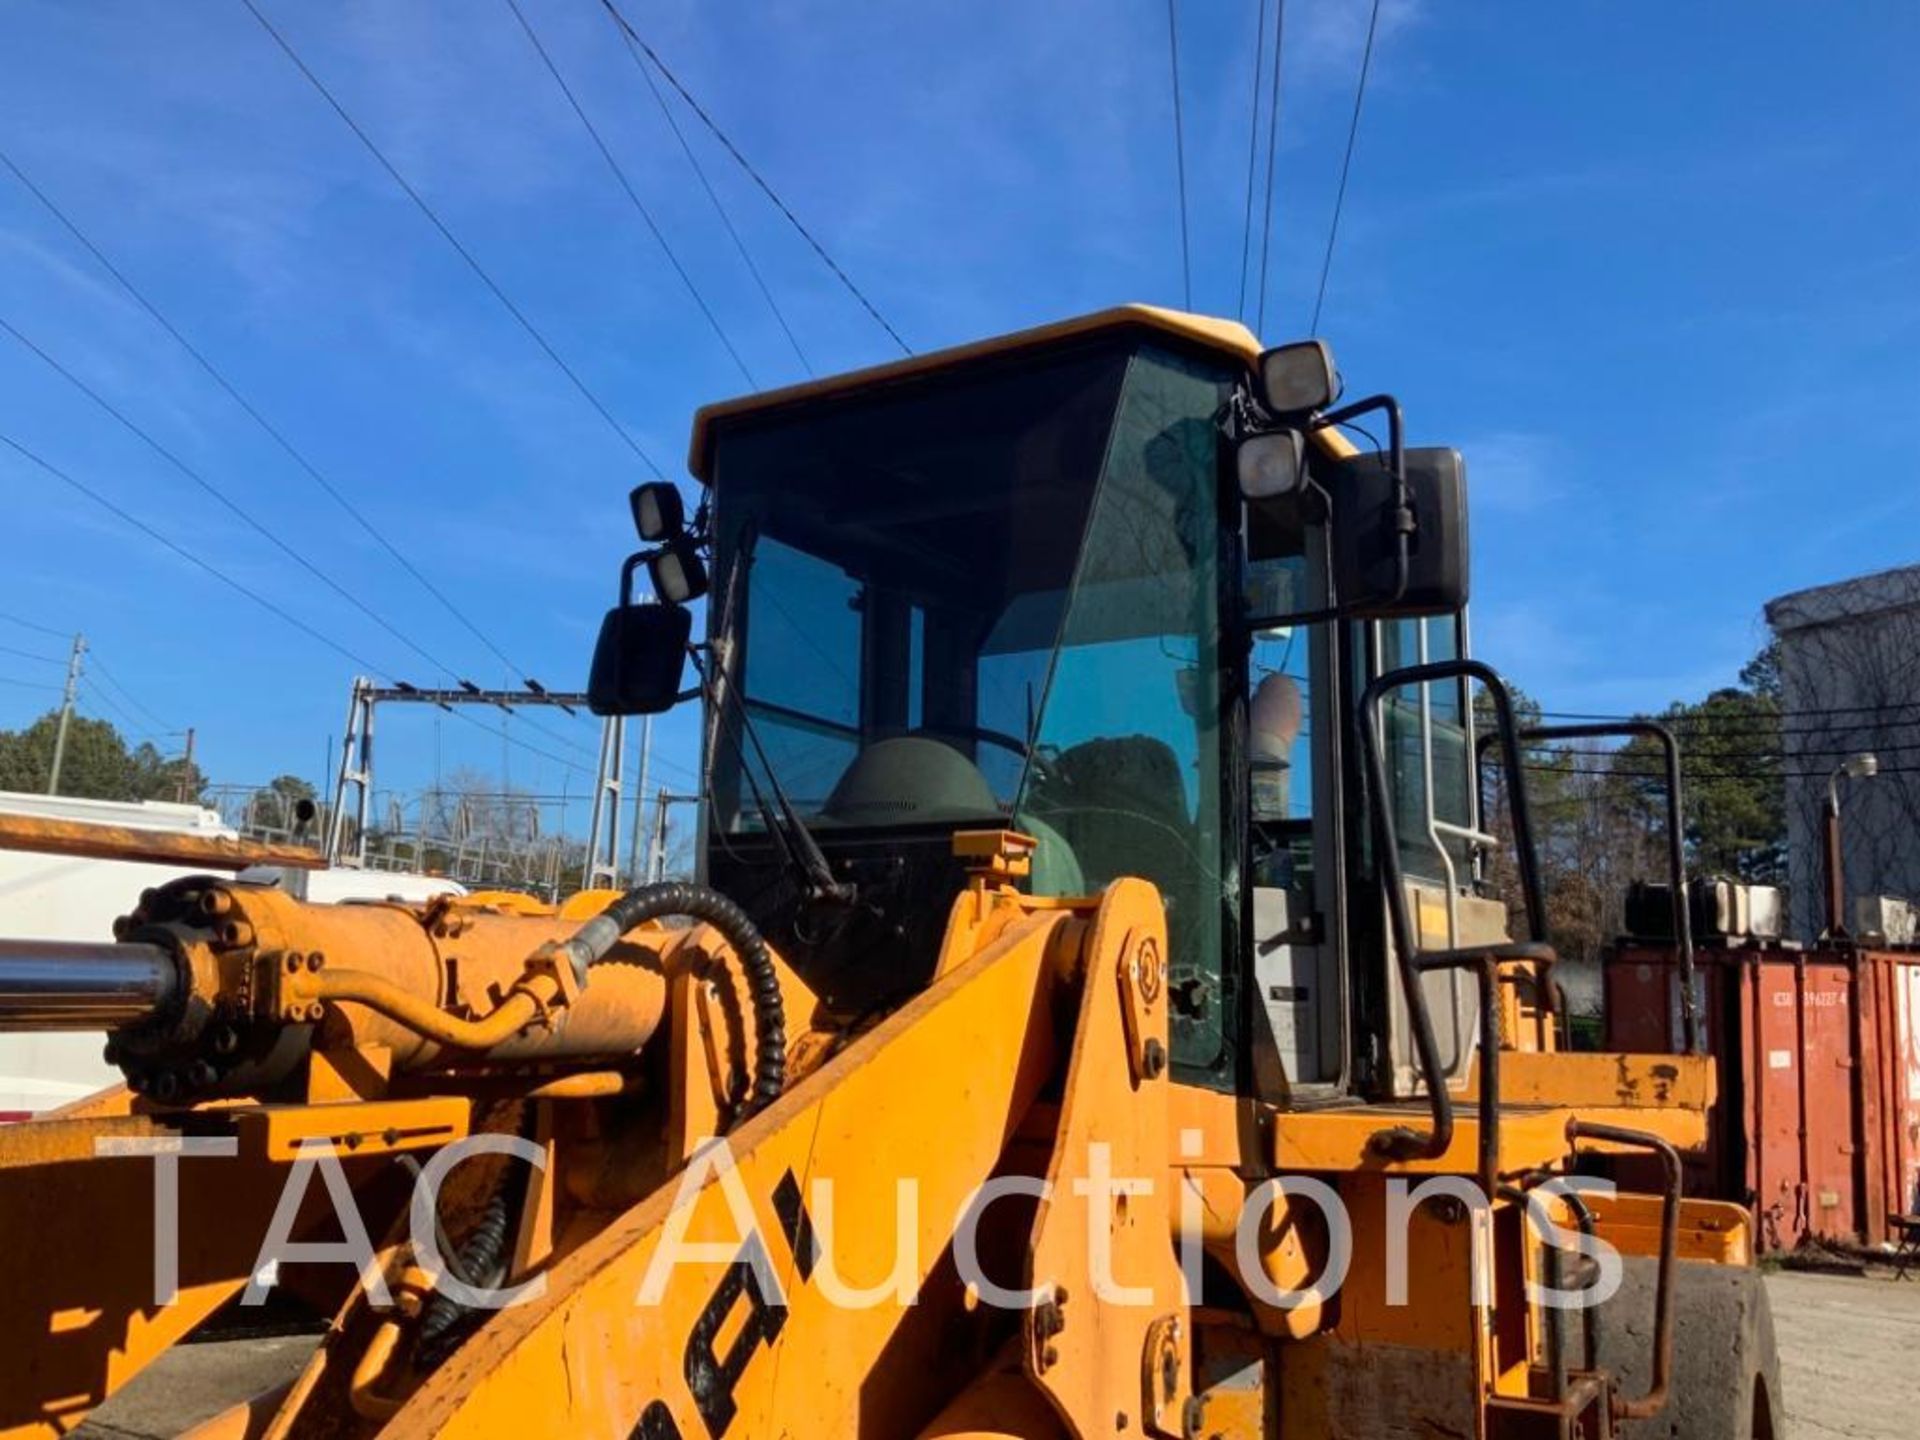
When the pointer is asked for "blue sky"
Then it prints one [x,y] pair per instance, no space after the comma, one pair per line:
[1655,269]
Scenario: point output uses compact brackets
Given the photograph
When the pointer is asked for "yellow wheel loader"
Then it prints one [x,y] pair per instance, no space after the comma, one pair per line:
[1090,1017]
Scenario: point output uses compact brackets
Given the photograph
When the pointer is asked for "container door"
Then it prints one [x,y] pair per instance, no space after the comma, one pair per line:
[1904,1062]
[1773,1067]
[1830,1101]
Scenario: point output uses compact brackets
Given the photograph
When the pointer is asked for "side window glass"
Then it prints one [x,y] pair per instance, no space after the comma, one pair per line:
[1428,751]
[1126,772]
[803,687]
[1279,738]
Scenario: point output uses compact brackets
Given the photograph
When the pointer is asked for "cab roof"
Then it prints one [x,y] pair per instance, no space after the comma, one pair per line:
[1226,337]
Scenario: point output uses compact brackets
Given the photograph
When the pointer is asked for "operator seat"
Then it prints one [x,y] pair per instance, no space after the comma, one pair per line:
[1120,803]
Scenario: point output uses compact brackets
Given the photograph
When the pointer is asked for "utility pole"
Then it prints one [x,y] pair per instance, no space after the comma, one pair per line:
[186,769]
[604,826]
[66,714]
[657,850]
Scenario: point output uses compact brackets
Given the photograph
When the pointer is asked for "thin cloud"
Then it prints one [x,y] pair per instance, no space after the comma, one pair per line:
[1512,472]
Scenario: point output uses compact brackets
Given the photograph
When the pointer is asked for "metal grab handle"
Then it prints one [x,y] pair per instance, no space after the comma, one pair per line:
[1412,963]
[1655,1399]
[1676,855]
[1554,1332]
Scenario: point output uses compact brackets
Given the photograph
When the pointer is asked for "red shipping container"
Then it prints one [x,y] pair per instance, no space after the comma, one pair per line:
[1793,1130]
[1894,987]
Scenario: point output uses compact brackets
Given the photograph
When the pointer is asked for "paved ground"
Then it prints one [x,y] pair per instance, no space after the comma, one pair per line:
[1849,1354]
[193,1382]
[1849,1357]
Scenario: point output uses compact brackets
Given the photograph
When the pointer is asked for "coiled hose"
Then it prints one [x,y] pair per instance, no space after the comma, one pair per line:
[481,1260]
[591,942]
[481,1263]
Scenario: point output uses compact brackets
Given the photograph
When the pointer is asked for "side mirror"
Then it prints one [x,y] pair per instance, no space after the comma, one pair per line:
[1298,379]
[658,512]
[1366,539]
[640,655]
[1271,465]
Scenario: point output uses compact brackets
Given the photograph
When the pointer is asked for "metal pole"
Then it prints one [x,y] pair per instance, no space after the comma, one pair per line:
[337,819]
[657,851]
[186,769]
[638,865]
[603,828]
[1836,866]
[365,798]
[66,714]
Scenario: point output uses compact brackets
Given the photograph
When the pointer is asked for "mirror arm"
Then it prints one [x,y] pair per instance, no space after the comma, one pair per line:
[1397,463]
[1403,522]
[632,563]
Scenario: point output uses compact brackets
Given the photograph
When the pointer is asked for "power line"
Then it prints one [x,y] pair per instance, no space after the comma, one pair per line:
[1273,145]
[27,684]
[273,432]
[633,196]
[136,728]
[1632,774]
[461,250]
[548,731]
[1645,766]
[500,732]
[1346,165]
[1734,729]
[720,209]
[1179,148]
[753,174]
[295,621]
[1711,757]
[32,655]
[31,625]
[1783,712]
[186,554]
[1253,148]
[97,671]
[226,500]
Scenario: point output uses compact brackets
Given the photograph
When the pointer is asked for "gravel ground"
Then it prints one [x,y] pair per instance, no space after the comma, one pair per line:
[1848,1349]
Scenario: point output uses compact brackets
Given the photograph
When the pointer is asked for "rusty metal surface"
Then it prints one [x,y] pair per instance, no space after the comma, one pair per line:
[1892,1033]
[1817,1054]
[43,836]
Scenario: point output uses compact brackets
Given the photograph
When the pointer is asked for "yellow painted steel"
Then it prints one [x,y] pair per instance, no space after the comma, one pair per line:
[79,1319]
[1714,1231]
[1043,1036]
[1531,1137]
[586,1359]
[1609,1080]
[1228,338]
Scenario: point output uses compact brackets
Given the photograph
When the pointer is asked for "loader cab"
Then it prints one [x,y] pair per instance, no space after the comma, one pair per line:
[1021,585]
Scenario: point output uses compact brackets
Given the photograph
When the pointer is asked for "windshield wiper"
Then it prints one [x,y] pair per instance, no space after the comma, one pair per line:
[798,849]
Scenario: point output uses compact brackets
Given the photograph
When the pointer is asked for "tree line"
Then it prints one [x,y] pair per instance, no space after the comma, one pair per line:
[1599,809]
[98,763]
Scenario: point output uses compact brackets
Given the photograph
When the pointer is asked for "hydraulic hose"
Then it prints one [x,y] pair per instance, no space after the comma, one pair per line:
[480,1263]
[481,1260]
[423,1017]
[591,942]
